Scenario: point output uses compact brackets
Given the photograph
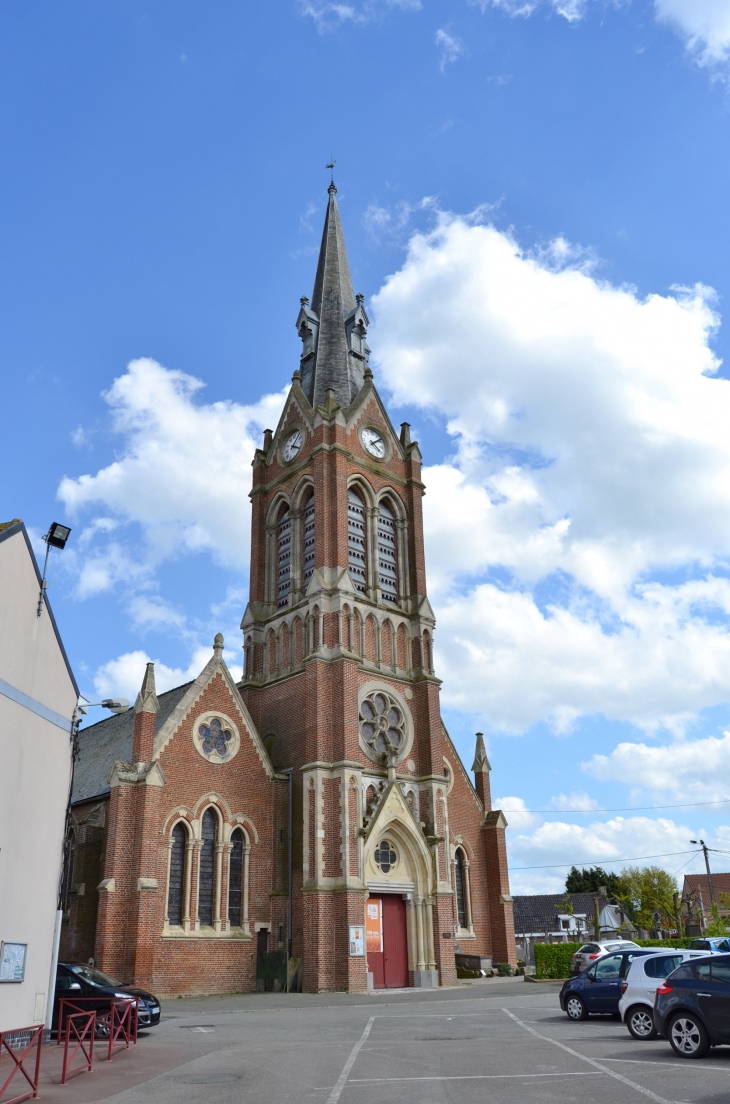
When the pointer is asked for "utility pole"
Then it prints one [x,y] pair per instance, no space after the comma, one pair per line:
[704,847]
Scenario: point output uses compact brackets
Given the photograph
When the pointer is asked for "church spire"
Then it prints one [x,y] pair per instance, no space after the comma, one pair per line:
[333,326]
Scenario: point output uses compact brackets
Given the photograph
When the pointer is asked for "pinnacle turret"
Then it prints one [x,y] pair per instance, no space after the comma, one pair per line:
[334,324]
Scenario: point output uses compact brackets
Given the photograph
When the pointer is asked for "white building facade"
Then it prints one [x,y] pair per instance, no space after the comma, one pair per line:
[38,696]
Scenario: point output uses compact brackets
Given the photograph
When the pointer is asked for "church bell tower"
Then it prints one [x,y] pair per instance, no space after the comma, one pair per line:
[339,677]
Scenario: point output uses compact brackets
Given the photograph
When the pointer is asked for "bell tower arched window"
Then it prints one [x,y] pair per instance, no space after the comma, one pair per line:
[206,869]
[177,876]
[356,542]
[308,542]
[387,553]
[283,558]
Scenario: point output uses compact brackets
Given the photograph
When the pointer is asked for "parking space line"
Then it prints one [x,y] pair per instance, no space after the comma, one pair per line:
[590,1061]
[334,1096]
[465,1077]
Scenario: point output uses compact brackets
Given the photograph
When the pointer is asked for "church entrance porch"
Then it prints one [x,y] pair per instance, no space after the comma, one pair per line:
[387,941]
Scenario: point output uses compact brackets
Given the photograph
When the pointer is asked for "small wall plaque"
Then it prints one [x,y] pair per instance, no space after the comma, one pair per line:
[12,961]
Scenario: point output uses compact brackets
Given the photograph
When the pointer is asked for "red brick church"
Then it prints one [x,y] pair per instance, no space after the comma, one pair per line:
[318,808]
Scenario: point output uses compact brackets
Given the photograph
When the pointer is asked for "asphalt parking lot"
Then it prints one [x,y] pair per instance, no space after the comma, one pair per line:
[506,1042]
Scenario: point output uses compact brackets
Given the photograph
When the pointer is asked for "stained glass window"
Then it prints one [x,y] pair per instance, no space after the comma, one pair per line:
[460,887]
[235,880]
[206,868]
[215,738]
[177,876]
[385,856]
[382,724]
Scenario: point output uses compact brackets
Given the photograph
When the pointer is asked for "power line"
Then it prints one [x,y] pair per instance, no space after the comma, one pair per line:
[603,862]
[627,808]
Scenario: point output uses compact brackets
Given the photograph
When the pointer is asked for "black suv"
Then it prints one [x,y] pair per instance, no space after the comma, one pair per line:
[96,991]
[692,1007]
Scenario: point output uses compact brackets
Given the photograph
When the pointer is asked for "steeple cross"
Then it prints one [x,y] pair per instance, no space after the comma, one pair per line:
[331,167]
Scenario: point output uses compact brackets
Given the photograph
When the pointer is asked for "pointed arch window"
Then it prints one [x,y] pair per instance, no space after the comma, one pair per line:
[176,882]
[235,880]
[356,542]
[387,553]
[206,868]
[283,558]
[461,888]
[308,542]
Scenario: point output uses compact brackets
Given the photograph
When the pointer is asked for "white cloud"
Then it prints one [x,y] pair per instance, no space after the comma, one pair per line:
[182,478]
[571,10]
[691,770]
[591,454]
[518,816]
[703,25]
[122,677]
[450,45]
[328,14]
[582,801]
[640,840]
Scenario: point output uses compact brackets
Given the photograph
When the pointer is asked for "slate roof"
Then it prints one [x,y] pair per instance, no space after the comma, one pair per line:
[103,743]
[539,913]
[332,301]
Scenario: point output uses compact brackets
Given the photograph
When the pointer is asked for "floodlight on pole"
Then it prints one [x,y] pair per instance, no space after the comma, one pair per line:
[56,537]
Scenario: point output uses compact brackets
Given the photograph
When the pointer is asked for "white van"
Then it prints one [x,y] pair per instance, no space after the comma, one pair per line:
[641,983]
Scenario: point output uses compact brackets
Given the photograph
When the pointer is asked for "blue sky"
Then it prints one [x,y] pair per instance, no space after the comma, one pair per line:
[535,204]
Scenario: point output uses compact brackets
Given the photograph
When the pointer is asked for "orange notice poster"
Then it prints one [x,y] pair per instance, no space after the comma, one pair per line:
[374,925]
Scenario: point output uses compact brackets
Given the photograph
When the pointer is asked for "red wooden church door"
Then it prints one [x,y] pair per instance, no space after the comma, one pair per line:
[388,966]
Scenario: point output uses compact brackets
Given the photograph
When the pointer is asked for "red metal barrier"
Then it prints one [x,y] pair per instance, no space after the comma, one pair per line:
[123,1024]
[35,1034]
[80,1026]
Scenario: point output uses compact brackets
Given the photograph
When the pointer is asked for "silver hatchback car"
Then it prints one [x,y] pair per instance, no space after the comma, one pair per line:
[589,952]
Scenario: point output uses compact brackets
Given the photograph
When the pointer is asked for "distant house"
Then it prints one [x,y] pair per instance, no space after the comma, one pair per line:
[565,918]
[38,698]
[697,899]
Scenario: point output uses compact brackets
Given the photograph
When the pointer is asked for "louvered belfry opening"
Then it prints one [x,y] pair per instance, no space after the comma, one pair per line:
[283,558]
[356,535]
[177,876]
[206,868]
[235,880]
[387,554]
[308,543]
[460,894]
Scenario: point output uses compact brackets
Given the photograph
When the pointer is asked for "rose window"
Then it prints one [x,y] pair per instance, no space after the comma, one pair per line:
[382,724]
[214,738]
[385,856]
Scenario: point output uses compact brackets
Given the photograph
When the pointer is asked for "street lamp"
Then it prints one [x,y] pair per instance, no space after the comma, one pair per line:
[115,705]
[56,537]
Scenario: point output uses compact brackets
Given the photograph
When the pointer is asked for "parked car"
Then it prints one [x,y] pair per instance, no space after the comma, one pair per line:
[644,976]
[96,990]
[598,989]
[589,952]
[715,944]
[692,1007]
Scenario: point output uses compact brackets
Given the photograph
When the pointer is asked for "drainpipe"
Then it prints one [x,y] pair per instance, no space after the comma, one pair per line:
[290,772]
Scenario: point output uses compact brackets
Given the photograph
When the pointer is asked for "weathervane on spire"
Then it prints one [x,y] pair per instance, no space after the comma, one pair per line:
[331,167]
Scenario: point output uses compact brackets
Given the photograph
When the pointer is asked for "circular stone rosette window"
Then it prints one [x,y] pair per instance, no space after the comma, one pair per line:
[385,724]
[216,737]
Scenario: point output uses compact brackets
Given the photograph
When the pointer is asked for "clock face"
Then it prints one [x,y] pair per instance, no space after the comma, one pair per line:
[293,444]
[374,443]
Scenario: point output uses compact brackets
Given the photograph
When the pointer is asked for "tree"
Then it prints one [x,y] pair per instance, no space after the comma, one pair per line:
[591,880]
[649,890]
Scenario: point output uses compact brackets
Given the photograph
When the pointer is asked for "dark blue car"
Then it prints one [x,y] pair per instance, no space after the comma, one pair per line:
[598,989]
[692,1007]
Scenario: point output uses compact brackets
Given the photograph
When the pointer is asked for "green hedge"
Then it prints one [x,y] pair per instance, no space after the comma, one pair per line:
[552,960]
